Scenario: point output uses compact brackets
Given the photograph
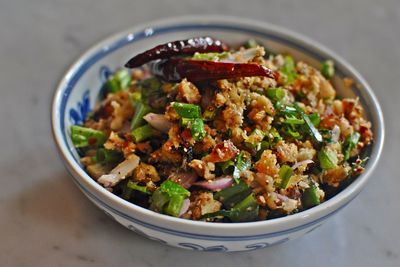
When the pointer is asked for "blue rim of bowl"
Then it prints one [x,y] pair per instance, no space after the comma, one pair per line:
[227,24]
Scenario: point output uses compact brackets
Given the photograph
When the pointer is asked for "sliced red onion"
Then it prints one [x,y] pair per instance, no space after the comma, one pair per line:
[217,184]
[282,198]
[185,207]
[185,179]
[158,121]
[304,162]
[335,133]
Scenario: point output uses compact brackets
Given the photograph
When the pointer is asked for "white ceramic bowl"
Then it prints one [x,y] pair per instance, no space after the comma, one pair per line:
[78,91]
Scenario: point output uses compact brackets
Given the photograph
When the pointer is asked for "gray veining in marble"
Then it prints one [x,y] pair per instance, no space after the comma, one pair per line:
[46,221]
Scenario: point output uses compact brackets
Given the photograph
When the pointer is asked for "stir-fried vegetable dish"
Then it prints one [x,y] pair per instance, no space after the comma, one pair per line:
[200,130]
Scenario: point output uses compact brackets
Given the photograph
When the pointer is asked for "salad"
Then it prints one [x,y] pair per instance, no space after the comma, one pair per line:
[199,130]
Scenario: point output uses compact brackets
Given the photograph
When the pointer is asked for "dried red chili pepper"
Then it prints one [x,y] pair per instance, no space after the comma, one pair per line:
[175,69]
[178,48]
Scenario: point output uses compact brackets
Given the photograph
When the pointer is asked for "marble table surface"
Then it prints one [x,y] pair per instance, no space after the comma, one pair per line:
[46,221]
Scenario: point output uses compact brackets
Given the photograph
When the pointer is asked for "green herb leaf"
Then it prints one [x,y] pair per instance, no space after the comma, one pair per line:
[263,146]
[285,173]
[327,159]
[242,163]
[293,121]
[289,69]
[350,143]
[135,186]
[173,189]
[315,119]
[312,130]
[254,139]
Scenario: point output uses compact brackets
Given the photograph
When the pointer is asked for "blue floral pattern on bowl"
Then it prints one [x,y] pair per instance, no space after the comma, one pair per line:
[197,247]
[78,115]
[139,232]
[266,244]
[104,73]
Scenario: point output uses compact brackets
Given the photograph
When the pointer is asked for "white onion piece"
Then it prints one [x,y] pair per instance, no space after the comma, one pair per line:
[335,133]
[217,184]
[185,179]
[241,56]
[304,162]
[158,121]
[249,54]
[185,207]
[120,172]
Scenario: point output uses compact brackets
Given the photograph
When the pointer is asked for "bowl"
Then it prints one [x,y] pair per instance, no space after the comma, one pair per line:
[78,91]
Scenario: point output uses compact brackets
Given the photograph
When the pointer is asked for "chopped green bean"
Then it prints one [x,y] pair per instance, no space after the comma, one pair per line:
[174,205]
[171,194]
[328,69]
[187,110]
[276,94]
[143,133]
[310,197]
[232,195]
[83,136]
[119,81]
[244,211]
[159,200]
[197,128]
[140,110]
[227,167]
[105,156]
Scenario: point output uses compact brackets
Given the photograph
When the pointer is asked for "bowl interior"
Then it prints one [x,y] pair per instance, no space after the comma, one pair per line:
[79,89]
